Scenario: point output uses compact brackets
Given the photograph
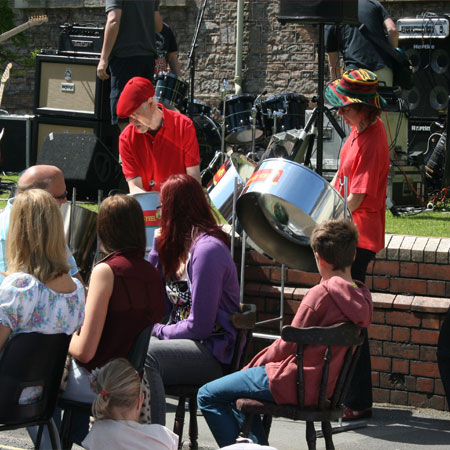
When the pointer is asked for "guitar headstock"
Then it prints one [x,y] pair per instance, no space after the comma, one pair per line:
[37,20]
[5,75]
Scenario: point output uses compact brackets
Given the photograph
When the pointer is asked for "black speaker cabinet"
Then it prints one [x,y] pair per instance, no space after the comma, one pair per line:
[430,58]
[68,86]
[86,152]
[15,144]
[419,132]
[319,11]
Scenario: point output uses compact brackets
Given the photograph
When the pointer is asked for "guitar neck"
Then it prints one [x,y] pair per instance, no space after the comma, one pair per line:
[9,34]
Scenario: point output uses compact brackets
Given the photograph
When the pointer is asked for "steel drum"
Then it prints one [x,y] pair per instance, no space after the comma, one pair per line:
[280,206]
[221,188]
[149,201]
[81,236]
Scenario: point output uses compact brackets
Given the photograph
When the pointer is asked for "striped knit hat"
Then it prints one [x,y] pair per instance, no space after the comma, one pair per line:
[355,86]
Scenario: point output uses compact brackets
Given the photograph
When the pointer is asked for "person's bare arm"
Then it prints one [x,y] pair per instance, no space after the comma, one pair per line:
[194,172]
[135,185]
[392,32]
[335,67]
[4,335]
[174,64]
[158,22]
[109,39]
[354,201]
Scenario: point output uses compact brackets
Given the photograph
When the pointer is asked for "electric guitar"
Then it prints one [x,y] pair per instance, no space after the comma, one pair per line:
[32,22]
[3,80]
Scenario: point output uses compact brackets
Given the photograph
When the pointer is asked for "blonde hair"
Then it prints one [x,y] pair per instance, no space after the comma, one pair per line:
[117,385]
[35,243]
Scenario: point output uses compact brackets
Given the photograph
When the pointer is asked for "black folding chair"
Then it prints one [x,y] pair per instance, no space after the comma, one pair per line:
[28,360]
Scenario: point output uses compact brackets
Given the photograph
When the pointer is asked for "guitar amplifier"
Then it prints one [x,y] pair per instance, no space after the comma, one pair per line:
[80,39]
[68,86]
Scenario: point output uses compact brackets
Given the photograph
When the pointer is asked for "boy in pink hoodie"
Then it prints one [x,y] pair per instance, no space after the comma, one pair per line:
[272,374]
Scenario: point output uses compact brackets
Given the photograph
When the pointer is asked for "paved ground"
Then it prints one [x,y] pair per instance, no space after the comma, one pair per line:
[391,428]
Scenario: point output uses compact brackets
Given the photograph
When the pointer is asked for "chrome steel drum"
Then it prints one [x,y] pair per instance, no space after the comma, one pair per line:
[170,91]
[149,201]
[238,111]
[221,187]
[81,236]
[283,112]
[279,207]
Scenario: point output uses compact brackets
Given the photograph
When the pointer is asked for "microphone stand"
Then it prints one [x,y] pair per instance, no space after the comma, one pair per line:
[191,56]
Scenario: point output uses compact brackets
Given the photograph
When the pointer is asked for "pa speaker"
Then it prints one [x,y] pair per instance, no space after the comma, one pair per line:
[87,162]
[69,87]
[319,11]
[430,58]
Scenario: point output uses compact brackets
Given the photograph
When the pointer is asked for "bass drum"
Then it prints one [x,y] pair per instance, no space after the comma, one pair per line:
[170,91]
[280,206]
[208,137]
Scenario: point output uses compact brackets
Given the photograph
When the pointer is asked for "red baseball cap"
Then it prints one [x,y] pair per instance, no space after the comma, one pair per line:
[137,91]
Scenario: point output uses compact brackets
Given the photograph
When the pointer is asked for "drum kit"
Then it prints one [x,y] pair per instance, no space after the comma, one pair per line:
[274,202]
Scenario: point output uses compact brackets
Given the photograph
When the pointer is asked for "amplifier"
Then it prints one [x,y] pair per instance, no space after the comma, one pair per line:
[84,39]
[402,179]
[423,28]
[68,86]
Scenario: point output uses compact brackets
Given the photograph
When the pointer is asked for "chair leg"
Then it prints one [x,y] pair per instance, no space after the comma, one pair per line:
[193,427]
[246,426]
[179,421]
[37,444]
[310,435]
[65,430]
[267,423]
[54,436]
[328,435]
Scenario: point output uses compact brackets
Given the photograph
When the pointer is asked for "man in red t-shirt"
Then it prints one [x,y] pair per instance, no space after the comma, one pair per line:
[157,143]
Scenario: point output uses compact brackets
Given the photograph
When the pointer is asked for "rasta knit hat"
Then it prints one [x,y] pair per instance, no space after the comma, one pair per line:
[137,91]
[355,86]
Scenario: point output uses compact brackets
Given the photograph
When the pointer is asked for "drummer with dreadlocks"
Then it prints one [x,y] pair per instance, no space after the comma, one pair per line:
[364,161]
[157,143]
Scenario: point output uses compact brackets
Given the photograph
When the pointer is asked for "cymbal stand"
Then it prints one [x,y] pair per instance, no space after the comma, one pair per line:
[191,56]
[223,93]
[276,116]
[252,154]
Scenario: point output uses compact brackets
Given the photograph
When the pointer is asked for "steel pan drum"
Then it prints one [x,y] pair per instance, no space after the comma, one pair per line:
[279,207]
[221,187]
[149,201]
[81,236]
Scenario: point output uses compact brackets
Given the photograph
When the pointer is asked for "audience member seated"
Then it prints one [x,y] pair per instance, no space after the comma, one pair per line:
[38,294]
[201,282]
[49,178]
[116,410]
[125,296]
[272,374]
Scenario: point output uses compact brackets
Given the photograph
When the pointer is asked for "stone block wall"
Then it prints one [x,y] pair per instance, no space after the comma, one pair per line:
[277,58]
[410,284]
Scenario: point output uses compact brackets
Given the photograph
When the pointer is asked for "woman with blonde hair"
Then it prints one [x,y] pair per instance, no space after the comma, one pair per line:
[38,294]
[116,410]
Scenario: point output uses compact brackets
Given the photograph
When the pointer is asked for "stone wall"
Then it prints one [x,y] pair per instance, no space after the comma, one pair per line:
[276,58]
[410,284]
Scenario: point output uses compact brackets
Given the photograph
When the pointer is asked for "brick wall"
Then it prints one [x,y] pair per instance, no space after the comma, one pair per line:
[410,284]
[276,58]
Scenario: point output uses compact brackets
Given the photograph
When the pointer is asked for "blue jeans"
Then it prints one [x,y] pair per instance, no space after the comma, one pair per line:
[217,403]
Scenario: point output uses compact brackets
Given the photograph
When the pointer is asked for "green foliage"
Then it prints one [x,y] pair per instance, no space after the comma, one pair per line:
[15,48]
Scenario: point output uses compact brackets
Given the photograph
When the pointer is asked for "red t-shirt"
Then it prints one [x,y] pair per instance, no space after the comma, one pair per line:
[155,158]
[365,161]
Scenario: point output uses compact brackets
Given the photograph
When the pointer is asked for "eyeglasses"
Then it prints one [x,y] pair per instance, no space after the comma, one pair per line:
[61,197]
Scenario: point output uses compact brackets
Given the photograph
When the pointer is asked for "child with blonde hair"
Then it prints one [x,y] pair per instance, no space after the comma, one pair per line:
[116,410]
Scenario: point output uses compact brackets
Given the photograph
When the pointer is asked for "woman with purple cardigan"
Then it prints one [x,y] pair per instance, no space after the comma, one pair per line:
[192,252]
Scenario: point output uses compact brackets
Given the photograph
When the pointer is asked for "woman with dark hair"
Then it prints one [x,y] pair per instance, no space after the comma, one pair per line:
[125,296]
[364,161]
[192,252]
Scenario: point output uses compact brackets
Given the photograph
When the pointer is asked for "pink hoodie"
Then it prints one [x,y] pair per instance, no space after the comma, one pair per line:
[330,302]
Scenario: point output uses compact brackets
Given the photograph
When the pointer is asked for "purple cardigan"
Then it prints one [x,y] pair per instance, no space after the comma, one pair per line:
[215,296]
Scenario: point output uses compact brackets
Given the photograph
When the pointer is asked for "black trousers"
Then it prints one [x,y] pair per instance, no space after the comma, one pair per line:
[359,395]
[443,355]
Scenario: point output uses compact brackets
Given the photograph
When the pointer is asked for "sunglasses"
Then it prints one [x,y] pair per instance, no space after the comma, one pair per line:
[61,197]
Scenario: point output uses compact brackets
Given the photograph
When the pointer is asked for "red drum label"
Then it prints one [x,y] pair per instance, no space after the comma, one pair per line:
[152,218]
[219,174]
[266,176]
